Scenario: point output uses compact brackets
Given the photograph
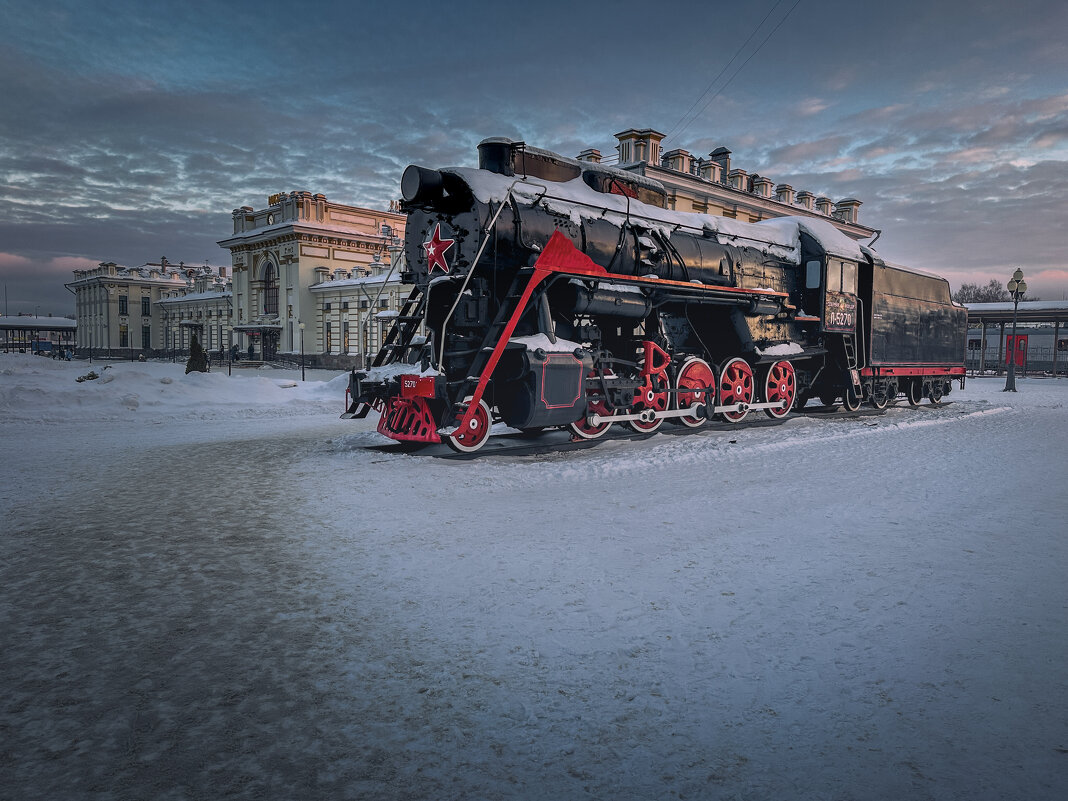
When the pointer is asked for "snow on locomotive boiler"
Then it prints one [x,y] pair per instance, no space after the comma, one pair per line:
[553,292]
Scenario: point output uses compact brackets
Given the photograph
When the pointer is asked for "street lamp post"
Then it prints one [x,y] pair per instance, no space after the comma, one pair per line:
[301,327]
[1017,286]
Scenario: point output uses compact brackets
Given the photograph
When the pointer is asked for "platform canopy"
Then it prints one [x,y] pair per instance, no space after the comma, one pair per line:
[1030,311]
[30,323]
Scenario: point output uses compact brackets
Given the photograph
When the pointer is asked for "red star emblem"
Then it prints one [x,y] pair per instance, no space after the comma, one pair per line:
[435,248]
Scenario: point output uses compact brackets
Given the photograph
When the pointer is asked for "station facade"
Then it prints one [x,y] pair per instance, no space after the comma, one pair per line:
[315,277]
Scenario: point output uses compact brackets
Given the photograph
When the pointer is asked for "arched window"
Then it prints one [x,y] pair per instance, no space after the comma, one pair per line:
[270,290]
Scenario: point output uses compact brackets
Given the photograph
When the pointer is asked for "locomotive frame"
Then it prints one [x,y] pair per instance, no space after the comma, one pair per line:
[590,304]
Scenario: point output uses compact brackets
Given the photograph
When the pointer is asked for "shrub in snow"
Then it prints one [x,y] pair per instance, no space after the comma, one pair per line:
[198,360]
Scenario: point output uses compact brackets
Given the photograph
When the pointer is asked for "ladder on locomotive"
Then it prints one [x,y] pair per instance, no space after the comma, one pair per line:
[850,348]
[406,323]
[485,351]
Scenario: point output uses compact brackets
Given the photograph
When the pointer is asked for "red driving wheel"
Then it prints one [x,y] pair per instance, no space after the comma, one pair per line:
[780,387]
[696,375]
[736,386]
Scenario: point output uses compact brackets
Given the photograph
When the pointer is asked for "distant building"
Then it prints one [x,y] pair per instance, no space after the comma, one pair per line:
[304,259]
[711,185]
[202,307]
[116,307]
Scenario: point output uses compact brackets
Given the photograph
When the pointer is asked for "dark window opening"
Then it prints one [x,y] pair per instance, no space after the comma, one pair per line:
[270,290]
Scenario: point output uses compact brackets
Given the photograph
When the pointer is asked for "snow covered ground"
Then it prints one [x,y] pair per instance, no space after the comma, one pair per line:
[211,587]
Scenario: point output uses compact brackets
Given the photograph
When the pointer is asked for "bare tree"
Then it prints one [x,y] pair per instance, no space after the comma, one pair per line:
[993,292]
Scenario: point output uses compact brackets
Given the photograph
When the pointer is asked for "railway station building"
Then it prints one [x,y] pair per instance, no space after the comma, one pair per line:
[711,184]
[315,277]
[117,309]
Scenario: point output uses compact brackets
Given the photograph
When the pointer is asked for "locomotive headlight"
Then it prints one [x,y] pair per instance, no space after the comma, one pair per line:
[419,184]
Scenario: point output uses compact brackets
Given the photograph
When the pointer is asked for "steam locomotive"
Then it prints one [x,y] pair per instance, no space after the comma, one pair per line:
[550,292]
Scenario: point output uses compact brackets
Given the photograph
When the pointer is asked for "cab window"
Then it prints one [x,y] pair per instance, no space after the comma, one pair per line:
[812,274]
[849,277]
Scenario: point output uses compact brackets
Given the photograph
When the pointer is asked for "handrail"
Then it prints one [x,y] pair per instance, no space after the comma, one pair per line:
[474,263]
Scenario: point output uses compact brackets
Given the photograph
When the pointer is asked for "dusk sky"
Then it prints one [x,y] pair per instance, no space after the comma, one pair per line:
[130,130]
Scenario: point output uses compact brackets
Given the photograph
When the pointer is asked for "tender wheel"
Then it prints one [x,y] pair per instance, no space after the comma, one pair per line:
[736,386]
[935,395]
[828,398]
[850,399]
[914,391]
[581,428]
[891,393]
[879,398]
[780,387]
[474,435]
[695,374]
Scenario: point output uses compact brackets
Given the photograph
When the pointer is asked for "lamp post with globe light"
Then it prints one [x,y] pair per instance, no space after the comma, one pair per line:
[1017,287]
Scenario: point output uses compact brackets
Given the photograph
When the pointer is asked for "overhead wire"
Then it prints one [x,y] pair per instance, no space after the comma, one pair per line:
[726,66]
[677,130]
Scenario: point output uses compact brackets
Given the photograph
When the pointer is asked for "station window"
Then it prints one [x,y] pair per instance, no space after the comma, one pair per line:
[974,344]
[124,336]
[146,336]
[383,303]
[146,308]
[1062,344]
[327,306]
[363,304]
[124,304]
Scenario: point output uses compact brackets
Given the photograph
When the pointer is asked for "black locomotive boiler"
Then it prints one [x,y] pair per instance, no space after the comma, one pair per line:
[550,292]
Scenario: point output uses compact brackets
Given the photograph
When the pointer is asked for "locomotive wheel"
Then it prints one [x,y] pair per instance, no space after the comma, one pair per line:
[581,428]
[736,386]
[780,386]
[474,435]
[695,373]
[648,398]
[850,399]
[914,392]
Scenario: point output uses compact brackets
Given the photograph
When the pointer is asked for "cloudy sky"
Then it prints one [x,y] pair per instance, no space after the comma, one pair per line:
[130,130]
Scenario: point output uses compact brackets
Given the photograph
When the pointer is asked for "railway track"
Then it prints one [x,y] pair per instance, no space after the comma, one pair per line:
[561,441]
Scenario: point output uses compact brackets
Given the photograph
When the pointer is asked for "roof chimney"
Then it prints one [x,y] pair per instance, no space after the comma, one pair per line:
[762,186]
[847,210]
[678,160]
